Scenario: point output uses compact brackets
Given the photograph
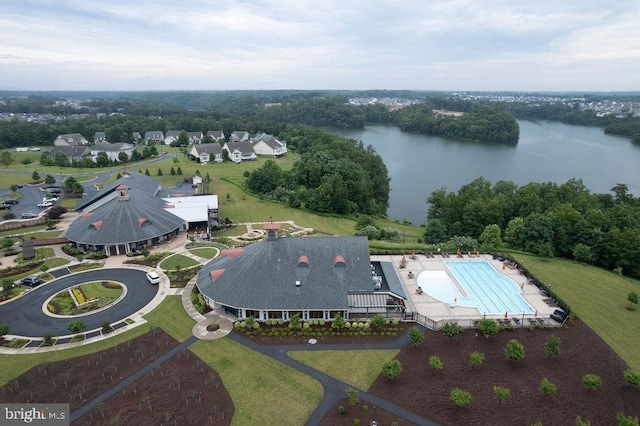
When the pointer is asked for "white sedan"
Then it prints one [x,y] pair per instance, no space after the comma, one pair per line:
[153,277]
[45,204]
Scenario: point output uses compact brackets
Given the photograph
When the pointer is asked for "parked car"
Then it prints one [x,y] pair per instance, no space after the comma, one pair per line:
[19,185]
[11,201]
[153,277]
[31,281]
[54,190]
[45,204]
[29,215]
[559,315]
[5,206]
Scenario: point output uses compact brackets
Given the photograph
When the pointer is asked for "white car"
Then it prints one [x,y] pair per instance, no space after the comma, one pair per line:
[153,277]
[45,204]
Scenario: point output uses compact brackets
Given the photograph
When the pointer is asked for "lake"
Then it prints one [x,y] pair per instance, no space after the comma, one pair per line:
[547,152]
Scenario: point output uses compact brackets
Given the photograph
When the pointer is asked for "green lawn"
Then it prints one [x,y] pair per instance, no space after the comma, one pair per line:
[15,365]
[598,297]
[22,231]
[207,253]
[44,235]
[264,391]
[177,260]
[172,318]
[357,368]
[95,290]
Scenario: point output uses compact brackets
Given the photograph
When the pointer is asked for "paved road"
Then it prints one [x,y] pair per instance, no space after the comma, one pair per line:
[25,317]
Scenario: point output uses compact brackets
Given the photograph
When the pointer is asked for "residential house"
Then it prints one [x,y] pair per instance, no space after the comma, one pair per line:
[195,137]
[171,136]
[239,135]
[268,145]
[71,139]
[154,135]
[207,152]
[112,150]
[240,151]
[217,135]
[100,137]
[72,153]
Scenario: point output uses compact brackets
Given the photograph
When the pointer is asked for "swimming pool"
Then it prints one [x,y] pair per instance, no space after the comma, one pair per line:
[477,285]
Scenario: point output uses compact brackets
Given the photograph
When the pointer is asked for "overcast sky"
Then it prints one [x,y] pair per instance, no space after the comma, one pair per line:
[540,45]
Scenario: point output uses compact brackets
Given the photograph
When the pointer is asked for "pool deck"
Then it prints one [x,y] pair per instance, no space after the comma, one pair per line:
[437,311]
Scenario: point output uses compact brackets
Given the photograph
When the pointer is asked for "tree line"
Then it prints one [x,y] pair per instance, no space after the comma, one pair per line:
[548,219]
[333,175]
[484,122]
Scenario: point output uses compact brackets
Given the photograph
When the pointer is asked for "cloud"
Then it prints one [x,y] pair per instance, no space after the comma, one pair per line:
[194,44]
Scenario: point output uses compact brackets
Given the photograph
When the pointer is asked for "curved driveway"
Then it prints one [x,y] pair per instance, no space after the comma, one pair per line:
[25,317]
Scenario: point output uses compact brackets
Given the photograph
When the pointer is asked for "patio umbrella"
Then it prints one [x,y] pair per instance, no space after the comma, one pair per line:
[535,314]
[506,315]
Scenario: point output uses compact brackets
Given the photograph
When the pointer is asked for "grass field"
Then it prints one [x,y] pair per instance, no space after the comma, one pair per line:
[22,231]
[264,391]
[177,260]
[95,290]
[598,297]
[207,253]
[44,234]
[172,318]
[357,368]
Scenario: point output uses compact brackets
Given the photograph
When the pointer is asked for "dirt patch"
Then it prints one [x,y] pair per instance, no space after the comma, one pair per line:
[183,390]
[426,392]
[81,379]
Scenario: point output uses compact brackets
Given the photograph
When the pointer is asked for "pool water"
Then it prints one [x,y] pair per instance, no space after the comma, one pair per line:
[477,285]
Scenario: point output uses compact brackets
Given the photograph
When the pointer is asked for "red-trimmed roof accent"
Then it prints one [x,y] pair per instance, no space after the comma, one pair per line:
[303,261]
[97,225]
[231,252]
[178,195]
[169,206]
[86,215]
[141,221]
[216,274]
[274,226]
[122,186]
[339,260]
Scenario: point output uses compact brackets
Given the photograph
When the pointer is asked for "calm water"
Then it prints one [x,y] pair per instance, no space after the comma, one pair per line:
[547,152]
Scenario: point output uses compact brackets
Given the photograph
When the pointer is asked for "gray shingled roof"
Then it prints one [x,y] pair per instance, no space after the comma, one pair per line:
[264,274]
[244,147]
[75,152]
[136,181]
[141,217]
[208,148]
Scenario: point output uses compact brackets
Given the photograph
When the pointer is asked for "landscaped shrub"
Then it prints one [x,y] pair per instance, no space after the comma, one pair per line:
[341,409]
[460,397]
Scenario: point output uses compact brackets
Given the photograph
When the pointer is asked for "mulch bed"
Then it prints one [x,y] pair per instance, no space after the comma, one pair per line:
[426,392]
[81,379]
[183,390]
[392,332]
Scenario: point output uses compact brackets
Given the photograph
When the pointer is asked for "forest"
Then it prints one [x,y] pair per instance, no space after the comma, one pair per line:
[548,219]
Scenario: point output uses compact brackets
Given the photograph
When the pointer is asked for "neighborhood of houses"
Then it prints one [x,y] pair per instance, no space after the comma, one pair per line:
[241,146]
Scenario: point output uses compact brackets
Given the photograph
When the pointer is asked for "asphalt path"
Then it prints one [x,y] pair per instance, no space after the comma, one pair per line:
[25,317]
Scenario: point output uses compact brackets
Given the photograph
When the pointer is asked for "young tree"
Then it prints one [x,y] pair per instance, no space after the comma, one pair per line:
[624,420]
[460,397]
[631,377]
[179,171]
[417,337]
[488,326]
[552,345]
[353,396]
[5,158]
[501,393]
[547,388]
[435,362]
[379,321]
[633,300]
[452,329]
[76,326]
[146,172]
[159,172]
[591,381]
[4,330]
[338,322]
[49,180]
[476,358]
[580,422]
[514,350]
[392,369]
[294,321]
[491,237]
[172,171]
[35,176]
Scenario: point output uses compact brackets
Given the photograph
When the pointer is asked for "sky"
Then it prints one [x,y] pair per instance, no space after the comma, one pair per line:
[471,45]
